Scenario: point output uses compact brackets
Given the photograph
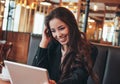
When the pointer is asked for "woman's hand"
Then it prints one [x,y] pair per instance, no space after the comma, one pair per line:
[4,82]
[45,38]
[52,82]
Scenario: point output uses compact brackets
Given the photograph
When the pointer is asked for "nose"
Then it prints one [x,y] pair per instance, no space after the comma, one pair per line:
[58,34]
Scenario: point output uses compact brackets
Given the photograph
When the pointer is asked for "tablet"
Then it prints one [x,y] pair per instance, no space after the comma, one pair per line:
[26,74]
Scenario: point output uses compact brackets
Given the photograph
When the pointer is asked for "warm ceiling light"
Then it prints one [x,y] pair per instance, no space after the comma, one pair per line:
[95,7]
[1,16]
[2,1]
[90,26]
[70,3]
[91,20]
[45,3]
[28,7]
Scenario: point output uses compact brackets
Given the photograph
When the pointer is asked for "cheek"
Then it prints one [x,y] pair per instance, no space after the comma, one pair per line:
[66,32]
[68,35]
[53,34]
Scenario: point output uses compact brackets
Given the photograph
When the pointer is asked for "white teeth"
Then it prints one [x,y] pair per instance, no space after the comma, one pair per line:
[62,39]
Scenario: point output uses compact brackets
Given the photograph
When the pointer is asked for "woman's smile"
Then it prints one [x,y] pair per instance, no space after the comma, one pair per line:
[62,39]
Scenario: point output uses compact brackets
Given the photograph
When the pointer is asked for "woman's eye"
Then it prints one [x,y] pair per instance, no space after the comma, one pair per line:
[61,28]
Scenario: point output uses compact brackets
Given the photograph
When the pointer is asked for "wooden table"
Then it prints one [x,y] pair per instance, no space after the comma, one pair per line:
[4,82]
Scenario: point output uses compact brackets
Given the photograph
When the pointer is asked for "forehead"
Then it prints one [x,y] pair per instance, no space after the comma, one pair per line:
[56,23]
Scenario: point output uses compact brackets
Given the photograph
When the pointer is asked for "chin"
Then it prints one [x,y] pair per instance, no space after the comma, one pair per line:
[63,43]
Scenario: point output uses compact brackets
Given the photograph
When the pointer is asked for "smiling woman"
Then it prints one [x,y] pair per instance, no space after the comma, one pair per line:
[65,53]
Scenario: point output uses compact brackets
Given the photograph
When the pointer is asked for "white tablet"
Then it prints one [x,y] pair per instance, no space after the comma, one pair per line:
[26,74]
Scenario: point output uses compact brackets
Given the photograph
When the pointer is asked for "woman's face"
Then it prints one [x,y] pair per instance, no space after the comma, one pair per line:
[59,31]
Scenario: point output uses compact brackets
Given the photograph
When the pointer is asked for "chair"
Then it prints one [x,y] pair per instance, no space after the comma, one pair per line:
[34,43]
[112,71]
[5,49]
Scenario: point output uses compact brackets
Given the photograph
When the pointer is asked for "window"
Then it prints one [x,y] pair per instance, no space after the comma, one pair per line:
[38,23]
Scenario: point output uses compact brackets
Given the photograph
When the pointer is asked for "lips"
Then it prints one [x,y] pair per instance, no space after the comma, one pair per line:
[62,39]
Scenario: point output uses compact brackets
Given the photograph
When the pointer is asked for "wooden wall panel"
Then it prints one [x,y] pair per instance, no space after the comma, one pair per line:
[0,33]
[20,48]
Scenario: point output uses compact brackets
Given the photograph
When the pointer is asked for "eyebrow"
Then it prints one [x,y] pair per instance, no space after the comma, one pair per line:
[60,26]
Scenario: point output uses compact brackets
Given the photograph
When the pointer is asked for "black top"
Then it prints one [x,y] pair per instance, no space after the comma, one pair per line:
[50,58]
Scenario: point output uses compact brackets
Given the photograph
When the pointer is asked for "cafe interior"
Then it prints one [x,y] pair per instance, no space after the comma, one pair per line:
[22,22]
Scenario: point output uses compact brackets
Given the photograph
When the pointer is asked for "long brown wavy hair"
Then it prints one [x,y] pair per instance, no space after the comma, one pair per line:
[79,50]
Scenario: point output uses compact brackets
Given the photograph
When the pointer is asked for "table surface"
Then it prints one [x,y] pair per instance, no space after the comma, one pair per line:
[4,82]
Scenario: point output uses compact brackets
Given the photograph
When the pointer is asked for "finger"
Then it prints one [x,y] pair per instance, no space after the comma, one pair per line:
[52,82]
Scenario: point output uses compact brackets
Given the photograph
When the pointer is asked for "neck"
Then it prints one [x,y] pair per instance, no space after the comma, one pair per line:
[64,48]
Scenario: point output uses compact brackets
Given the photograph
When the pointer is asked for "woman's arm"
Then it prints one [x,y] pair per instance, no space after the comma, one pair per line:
[41,58]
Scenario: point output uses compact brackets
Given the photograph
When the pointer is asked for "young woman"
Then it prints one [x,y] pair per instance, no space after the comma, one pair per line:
[64,51]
